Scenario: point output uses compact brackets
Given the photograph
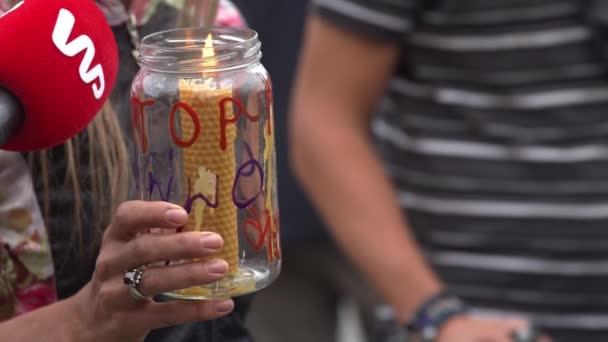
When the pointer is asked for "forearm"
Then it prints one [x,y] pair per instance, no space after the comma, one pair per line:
[53,323]
[338,167]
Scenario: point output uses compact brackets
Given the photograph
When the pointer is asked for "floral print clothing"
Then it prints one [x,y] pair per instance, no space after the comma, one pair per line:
[26,267]
[116,14]
[228,14]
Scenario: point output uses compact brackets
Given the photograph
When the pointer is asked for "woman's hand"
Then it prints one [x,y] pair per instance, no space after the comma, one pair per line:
[105,309]
[473,329]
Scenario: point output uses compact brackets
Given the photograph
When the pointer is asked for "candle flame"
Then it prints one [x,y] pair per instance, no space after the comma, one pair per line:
[209,51]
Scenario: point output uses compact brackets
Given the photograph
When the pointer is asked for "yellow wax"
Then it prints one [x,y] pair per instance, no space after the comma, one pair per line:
[204,163]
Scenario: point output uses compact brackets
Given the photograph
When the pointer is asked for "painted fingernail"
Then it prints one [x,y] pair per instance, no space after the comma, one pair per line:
[217,266]
[176,216]
[224,305]
[212,241]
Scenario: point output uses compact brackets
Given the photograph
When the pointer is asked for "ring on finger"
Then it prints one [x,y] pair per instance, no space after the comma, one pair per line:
[132,278]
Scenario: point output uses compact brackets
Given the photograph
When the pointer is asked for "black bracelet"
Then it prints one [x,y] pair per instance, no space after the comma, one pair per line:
[432,314]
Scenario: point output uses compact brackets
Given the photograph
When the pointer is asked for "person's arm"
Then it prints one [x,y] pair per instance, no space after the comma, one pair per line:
[340,79]
[53,323]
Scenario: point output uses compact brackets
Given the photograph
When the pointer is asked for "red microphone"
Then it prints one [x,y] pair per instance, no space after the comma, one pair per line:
[59,60]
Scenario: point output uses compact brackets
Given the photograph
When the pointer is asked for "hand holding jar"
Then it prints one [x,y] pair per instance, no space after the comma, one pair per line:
[203,126]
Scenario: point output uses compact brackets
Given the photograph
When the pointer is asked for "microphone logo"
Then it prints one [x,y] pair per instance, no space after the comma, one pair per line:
[61,33]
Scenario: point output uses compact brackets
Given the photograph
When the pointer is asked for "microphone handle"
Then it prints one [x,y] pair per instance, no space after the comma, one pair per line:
[11,115]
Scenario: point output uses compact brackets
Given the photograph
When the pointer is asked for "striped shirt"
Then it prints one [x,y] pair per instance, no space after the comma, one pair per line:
[495,131]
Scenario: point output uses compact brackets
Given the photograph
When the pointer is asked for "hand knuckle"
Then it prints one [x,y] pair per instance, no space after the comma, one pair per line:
[105,238]
[203,311]
[188,241]
[102,266]
[105,299]
[199,275]
[122,212]
[140,248]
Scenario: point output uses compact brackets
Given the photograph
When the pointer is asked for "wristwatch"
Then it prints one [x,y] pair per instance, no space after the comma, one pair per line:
[429,318]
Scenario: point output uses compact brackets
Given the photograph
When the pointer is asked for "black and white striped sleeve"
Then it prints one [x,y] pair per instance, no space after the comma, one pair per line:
[390,19]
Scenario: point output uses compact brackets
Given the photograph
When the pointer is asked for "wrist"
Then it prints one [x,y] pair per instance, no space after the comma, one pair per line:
[425,286]
[430,317]
[75,318]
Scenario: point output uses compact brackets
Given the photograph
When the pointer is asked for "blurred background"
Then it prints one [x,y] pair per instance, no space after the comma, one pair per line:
[326,303]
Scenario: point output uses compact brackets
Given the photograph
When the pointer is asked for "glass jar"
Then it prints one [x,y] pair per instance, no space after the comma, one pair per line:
[203,135]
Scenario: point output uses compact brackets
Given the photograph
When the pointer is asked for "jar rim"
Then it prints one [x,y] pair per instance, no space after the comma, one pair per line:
[199,35]
[180,50]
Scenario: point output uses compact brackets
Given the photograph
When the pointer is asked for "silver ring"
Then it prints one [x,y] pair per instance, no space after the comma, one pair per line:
[132,279]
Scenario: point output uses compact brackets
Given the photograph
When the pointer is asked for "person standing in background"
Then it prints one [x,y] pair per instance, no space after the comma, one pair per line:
[479,205]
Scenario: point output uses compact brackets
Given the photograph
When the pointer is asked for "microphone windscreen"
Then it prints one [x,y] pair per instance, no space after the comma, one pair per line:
[59,58]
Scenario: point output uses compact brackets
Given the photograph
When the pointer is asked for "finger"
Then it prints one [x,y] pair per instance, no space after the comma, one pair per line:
[159,315]
[149,248]
[157,280]
[114,297]
[135,216]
